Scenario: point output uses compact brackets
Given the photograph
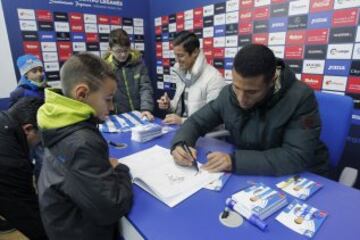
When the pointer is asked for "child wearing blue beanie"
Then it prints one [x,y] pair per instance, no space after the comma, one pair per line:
[32,81]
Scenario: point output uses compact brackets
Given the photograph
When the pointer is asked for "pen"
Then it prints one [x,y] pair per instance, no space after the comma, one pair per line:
[187,149]
[232,204]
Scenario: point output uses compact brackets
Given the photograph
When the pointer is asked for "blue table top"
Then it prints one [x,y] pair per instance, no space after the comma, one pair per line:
[197,216]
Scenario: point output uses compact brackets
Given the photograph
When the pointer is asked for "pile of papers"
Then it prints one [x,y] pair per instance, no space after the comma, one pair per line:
[259,200]
[143,133]
[301,188]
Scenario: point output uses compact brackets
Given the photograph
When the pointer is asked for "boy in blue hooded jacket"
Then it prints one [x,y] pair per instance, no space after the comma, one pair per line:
[32,82]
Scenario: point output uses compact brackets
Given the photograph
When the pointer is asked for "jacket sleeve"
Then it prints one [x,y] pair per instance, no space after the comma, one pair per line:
[199,123]
[103,193]
[16,95]
[300,140]
[214,87]
[146,90]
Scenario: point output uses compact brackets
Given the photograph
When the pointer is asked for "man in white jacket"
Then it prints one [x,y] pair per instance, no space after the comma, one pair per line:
[197,82]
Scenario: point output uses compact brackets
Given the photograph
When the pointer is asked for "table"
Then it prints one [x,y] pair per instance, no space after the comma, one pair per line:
[197,216]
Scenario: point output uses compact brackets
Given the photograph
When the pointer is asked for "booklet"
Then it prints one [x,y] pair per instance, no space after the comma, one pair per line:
[155,171]
[259,200]
[302,218]
[301,188]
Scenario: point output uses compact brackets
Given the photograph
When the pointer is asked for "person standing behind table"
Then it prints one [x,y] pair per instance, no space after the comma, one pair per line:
[135,91]
[272,117]
[197,82]
[32,81]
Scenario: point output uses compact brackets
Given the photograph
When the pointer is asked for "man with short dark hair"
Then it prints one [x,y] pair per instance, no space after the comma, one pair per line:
[197,82]
[135,91]
[18,136]
[273,120]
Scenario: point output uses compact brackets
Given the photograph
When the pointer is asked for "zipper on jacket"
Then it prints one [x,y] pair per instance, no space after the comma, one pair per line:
[127,89]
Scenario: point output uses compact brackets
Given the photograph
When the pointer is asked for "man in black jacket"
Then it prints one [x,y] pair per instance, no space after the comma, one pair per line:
[273,120]
[18,135]
[82,193]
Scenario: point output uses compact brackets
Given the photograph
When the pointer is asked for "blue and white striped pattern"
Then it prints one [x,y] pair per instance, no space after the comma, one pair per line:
[122,122]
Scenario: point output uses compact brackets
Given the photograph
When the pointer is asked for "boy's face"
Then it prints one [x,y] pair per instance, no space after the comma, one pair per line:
[35,74]
[102,99]
[120,53]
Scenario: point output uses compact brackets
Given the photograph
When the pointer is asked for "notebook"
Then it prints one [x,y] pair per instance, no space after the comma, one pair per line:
[259,200]
[155,171]
[302,218]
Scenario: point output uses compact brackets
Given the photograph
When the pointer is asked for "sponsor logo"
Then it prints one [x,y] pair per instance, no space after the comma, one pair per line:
[356,52]
[128,29]
[355,68]
[319,20]
[208,32]
[337,67]
[219,31]
[89,18]
[320,5]
[129,21]
[339,51]
[353,85]
[31,46]
[48,46]
[314,81]
[26,14]
[278,24]
[334,83]
[260,38]
[315,51]
[61,17]
[219,42]
[295,37]
[245,27]
[77,37]
[346,17]
[208,21]
[219,19]
[232,17]
[63,36]
[295,65]
[43,15]
[314,66]
[245,14]
[79,46]
[279,10]
[277,38]
[231,41]
[259,3]
[208,10]
[62,27]
[278,51]
[297,22]
[294,52]
[92,47]
[339,4]
[50,56]
[261,13]
[189,14]
[28,25]
[342,35]
[188,25]
[51,66]
[52,76]
[220,8]
[232,5]
[230,52]
[104,28]
[232,29]
[261,26]
[317,36]
[92,37]
[244,40]
[246,3]
[298,7]
[30,36]
[157,21]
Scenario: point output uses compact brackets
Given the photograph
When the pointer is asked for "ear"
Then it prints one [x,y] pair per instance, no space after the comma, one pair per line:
[81,92]
[27,128]
[196,52]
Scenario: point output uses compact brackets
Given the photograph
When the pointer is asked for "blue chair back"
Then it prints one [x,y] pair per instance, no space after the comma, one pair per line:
[335,113]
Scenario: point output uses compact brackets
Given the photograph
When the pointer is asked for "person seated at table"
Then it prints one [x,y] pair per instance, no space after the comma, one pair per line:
[273,120]
[135,91]
[82,193]
[18,137]
[197,82]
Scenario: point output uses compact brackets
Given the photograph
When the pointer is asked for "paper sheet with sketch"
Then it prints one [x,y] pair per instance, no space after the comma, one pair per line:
[155,171]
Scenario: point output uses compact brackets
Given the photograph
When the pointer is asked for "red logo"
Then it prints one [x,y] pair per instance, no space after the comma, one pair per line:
[198,13]
[295,37]
[208,53]
[159,53]
[294,52]
[92,37]
[278,1]
[164,20]
[159,46]
[314,81]
[77,27]
[65,50]
[261,13]
[166,62]
[317,36]
[353,85]
[198,23]
[245,27]
[76,18]
[103,19]
[44,15]
[246,3]
[218,52]
[208,43]
[158,30]
[115,20]
[31,46]
[321,5]
[346,17]
[260,38]
[245,14]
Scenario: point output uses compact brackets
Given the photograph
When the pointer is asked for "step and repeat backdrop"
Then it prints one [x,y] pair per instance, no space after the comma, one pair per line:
[318,39]
[55,36]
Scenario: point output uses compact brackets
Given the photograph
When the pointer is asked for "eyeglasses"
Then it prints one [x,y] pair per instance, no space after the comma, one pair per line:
[119,51]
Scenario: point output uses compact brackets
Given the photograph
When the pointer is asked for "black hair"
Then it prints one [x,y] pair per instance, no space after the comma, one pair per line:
[119,37]
[84,68]
[188,40]
[25,109]
[255,60]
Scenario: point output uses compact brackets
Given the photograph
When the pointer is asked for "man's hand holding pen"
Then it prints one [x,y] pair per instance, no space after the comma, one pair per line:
[184,155]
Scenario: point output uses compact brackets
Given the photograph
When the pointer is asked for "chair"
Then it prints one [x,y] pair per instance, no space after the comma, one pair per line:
[335,113]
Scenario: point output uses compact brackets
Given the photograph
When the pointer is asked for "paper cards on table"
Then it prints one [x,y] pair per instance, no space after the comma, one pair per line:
[122,122]
[259,200]
[147,132]
[301,188]
[155,171]
[302,218]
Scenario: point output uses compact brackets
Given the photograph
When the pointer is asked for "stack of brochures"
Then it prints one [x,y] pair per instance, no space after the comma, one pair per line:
[302,218]
[143,133]
[301,188]
[259,200]
[123,122]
